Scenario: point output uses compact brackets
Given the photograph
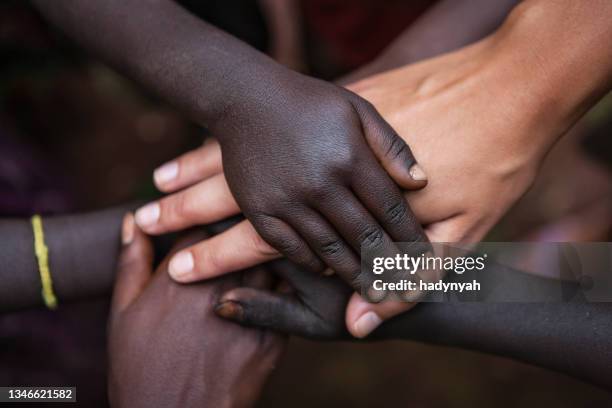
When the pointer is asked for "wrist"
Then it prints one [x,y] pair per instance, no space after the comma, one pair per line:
[83,249]
[251,93]
[551,56]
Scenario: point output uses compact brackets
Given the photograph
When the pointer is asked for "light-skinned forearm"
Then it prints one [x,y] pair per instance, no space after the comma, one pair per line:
[556,61]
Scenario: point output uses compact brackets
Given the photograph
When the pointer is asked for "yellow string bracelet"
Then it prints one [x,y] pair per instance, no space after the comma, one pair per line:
[42,255]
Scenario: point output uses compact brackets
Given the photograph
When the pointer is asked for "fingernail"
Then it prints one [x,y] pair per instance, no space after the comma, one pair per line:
[366,324]
[181,265]
[148,215]
[127,229]
[417,173]
[166,173]
[230,310]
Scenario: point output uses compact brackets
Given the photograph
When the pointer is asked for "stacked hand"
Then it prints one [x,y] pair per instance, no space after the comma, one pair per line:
[479,158]
[304,165]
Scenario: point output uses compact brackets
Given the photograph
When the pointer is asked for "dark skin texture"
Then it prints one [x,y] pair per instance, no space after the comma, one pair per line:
[168,349]
[301,156]
[83,249]
[572,337]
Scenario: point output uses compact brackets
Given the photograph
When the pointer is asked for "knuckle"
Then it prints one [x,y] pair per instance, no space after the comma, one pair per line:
[338,108]
[397,213]
[371,237]
[396,147]
[338,161]
[313,263]
[184,208]
[290,247]
[271,237]
[319,191]
[331,248]
[208,261]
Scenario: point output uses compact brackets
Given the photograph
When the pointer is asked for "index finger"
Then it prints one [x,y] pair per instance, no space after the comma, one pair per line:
[236,248]
[189,168]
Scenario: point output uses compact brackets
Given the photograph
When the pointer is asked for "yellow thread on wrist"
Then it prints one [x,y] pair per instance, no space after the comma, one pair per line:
[42,255]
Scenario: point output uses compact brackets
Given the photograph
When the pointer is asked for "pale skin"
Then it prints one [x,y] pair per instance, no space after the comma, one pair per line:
[480,121]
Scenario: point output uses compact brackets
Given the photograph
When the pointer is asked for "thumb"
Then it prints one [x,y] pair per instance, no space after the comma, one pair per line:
[135,265]
[264,309]
[362,317]
[391,150]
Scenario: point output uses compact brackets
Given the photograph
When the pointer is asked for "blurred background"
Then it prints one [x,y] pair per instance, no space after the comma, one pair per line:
[74,136]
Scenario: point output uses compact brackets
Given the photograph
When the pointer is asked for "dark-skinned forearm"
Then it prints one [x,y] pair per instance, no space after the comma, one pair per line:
[197,67]
[572,337]
[82,256]
[447,26]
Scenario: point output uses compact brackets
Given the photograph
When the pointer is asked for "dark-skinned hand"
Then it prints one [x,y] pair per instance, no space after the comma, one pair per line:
[312,308]
[306,161]
[166,346]
[311,164]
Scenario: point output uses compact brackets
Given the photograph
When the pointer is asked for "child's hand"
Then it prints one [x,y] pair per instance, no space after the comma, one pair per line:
[314,309]
[166,346]
[303,165]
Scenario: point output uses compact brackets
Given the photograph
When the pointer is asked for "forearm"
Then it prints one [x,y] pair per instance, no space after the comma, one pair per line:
[448,25]
[554,58]
[570,336]
[82,255]
[195,66]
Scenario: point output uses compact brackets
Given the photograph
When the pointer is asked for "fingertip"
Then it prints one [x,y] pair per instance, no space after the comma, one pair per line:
[362,317]
[357,308]
[135,264]
[413,178]
[417,173]
[165,175]
[229,309]
[365,324]
[407,178]
[181,267]
[147,216]
[230,296]
[135,242]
